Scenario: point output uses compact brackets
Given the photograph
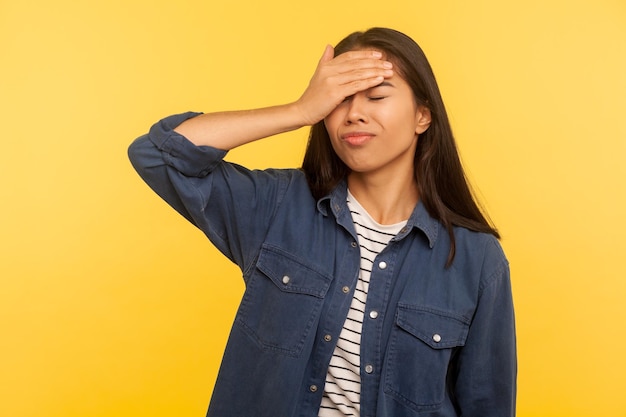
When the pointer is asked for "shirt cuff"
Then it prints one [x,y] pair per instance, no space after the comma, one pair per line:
[179,153]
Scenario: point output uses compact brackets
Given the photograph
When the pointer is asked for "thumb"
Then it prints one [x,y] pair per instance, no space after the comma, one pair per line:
[329,54]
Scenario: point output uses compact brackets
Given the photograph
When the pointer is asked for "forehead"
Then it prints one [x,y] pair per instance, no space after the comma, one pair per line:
[369,48]
[386,56]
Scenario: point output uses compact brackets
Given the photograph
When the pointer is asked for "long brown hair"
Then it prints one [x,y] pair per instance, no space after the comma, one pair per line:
[442,184]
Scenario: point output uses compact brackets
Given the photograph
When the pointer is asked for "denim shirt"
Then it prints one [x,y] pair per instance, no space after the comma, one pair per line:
[441,344]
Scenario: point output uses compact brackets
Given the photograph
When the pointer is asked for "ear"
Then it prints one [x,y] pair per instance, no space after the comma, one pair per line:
[423,118]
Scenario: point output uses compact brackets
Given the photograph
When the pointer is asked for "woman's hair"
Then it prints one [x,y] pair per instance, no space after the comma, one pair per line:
[442,184]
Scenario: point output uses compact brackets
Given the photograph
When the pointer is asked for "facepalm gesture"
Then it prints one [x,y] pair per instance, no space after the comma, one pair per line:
[336,78]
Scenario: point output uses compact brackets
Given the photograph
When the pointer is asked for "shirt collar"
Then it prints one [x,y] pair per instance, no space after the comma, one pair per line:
[420,219]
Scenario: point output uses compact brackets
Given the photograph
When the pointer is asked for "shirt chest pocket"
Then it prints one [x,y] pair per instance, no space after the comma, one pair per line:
[282,301]
[419,353]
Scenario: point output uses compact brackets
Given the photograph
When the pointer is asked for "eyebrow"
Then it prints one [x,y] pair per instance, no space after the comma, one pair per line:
[384,84]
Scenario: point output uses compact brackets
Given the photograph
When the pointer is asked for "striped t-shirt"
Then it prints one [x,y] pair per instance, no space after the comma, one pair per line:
[342,391]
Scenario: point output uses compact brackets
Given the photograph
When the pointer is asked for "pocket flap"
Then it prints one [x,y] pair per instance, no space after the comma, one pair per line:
[291,273]
[438,329]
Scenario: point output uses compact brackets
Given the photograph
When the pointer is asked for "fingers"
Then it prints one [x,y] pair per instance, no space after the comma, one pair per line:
[360,54]
[328,55]
[360,74]
[336,78]
[363,74]
[355,60]
[354,86]
[358,68]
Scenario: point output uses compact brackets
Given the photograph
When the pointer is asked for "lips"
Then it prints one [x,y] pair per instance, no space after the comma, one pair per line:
[357,138]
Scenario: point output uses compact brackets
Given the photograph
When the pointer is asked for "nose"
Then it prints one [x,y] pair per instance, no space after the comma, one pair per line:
[356,110]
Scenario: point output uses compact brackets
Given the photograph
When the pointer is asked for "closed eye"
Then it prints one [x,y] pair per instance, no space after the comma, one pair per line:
[376,98]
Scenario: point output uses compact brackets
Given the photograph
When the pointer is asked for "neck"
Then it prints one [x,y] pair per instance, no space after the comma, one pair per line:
[387,200]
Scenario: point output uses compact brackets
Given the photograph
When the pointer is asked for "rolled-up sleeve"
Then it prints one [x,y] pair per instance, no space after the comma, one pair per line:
[153,153]
[178,152]
[231,204]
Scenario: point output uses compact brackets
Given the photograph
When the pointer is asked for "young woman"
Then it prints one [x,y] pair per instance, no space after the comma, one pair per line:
[374,285]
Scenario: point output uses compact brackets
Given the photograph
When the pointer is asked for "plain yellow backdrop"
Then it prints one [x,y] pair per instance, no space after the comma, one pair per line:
[112,305]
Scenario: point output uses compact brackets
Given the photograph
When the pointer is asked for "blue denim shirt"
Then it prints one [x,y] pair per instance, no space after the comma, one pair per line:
[442,343]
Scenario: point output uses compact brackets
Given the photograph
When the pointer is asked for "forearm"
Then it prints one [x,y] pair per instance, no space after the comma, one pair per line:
[227,130]
[333,81]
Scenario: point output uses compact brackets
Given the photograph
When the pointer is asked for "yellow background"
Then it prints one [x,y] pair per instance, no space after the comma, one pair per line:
[112,305]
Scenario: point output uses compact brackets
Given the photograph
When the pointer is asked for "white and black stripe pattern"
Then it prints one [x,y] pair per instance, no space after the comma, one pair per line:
[342,391]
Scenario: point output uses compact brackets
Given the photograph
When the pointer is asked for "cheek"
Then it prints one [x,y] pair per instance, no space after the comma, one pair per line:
[407,122]
[331,127]
[332,122]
